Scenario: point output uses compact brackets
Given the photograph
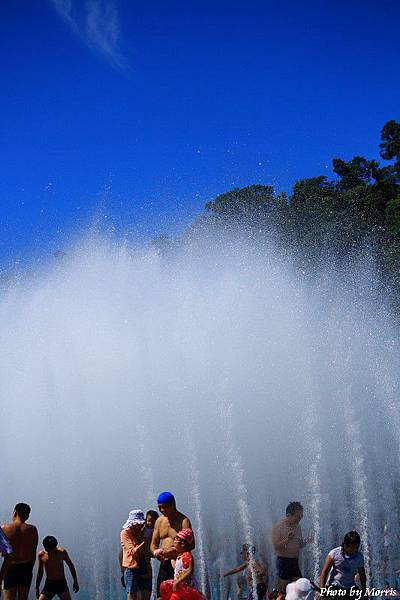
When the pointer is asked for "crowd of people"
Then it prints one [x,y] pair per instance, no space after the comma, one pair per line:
[169,539]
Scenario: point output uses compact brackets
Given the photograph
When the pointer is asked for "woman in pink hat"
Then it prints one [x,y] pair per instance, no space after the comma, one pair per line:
[181,587]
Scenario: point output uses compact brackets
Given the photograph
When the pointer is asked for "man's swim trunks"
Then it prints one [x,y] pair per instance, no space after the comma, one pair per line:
[288,568]
[166,572]
[19,575]
[54,587]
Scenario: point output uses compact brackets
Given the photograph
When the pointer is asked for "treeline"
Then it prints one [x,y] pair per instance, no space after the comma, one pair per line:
[325,220]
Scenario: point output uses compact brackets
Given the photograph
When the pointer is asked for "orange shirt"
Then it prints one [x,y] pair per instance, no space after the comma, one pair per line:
[130,553]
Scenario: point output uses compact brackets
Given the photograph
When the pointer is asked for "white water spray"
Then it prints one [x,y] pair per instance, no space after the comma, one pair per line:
[91,368]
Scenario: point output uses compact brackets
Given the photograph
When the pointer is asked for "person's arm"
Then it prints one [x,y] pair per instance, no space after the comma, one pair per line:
[4,568]
[236,570]
[324,573]
[7,558]
[129,546]
[187,562]
[39,577]
[72,569]
[155,541]
[35,540]
[120,558]
[363,580]
[186,524]
[170,553]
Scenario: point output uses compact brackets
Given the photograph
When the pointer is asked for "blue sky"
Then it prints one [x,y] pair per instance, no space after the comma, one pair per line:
[133,114]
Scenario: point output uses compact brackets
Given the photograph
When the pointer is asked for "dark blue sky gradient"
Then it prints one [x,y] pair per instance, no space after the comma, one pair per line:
[213,95]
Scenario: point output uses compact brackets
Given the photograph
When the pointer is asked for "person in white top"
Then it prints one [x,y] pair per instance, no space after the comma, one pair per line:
[341,567]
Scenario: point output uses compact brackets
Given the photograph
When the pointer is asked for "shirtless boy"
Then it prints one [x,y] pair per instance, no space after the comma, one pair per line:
[287,540]
[16,571]
[165,530]
[256,574]
[52,560]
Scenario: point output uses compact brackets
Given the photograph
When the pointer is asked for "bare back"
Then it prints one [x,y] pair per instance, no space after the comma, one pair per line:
[53,562]
[24,540]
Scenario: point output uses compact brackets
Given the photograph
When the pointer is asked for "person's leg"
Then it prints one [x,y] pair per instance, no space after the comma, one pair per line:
[166,589]
[145,593]
[261,591]
[283,578]
[10,594]
[146,585]
[281,584]
[295,572]
[163,575]
[17,581]
[131,584]
[23,593]
[65,596]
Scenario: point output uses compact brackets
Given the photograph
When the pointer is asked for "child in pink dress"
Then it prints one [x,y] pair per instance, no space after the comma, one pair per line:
[181,587]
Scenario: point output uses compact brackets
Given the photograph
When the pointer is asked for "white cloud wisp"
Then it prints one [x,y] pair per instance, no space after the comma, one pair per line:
[96,23]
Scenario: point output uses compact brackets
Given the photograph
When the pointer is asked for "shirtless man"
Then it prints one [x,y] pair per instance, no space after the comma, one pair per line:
[16,572]
[287,540]
[165,530]
[52,560]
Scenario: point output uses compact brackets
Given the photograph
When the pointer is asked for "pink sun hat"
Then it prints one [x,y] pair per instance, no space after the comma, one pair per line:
[186,535]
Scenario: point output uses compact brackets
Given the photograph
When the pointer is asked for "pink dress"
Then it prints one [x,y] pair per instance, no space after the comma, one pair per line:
[185,591]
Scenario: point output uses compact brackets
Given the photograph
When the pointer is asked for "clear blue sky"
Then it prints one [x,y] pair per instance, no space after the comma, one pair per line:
[137,112]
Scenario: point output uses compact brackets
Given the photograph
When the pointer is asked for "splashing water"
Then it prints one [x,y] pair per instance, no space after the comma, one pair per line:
[107,357]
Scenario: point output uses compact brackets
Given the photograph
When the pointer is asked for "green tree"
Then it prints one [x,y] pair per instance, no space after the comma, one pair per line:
[254,209]
[390,145]
[357,171]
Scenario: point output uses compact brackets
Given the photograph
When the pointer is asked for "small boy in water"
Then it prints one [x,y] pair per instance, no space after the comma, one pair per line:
[52,559]
[252,566]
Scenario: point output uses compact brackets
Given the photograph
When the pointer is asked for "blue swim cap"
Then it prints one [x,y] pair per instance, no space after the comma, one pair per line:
[166,498]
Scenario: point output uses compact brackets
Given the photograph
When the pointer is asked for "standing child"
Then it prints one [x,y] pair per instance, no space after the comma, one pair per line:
[151,518]
[52,559]
[181,587]
[343,564]
[254,570]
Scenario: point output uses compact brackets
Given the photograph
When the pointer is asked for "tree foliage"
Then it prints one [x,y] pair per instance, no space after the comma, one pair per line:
[322,218]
